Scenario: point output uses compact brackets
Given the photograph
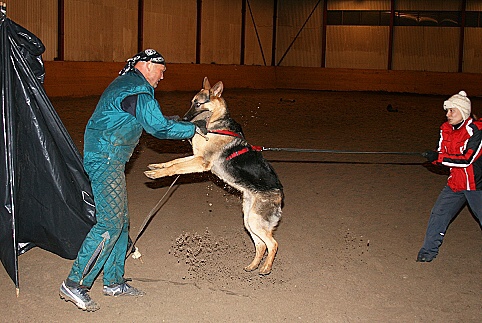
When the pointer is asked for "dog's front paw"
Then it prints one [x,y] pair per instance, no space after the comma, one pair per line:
[155,166]
[152,174]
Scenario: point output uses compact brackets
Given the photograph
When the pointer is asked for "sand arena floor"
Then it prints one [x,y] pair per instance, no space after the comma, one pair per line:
[351,229]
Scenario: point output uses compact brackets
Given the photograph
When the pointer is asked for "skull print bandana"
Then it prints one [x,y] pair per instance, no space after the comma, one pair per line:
[144,56]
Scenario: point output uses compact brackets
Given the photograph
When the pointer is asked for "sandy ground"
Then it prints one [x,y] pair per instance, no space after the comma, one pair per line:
[351,229]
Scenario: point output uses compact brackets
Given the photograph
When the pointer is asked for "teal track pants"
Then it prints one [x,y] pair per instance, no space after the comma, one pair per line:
[105,246]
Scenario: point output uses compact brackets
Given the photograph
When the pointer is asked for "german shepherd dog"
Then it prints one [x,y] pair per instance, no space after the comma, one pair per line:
[226,153]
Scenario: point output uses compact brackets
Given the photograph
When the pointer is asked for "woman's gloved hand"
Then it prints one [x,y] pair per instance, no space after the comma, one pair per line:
[430,155]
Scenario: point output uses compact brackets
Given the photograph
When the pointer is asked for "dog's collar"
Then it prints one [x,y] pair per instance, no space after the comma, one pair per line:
[226,132]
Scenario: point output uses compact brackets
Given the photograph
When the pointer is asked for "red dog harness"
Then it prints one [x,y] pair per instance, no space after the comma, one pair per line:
[235,134]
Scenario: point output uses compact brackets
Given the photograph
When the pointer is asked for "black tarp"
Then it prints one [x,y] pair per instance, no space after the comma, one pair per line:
[46,198]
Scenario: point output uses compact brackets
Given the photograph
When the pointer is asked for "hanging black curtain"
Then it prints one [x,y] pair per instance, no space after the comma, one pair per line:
[46,200]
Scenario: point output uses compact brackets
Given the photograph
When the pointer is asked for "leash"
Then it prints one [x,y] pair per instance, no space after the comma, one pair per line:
[134,250]
[303,150]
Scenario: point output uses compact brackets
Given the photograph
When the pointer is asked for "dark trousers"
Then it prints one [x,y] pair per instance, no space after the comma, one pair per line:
[447,206]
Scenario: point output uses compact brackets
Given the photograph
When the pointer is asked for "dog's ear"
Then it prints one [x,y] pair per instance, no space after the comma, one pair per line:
[217,89]
[206,85]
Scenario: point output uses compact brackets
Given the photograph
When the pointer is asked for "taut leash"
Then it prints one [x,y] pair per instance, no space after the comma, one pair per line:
[307,150]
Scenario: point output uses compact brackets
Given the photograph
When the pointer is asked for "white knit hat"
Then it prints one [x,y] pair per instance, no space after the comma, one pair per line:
[459,101]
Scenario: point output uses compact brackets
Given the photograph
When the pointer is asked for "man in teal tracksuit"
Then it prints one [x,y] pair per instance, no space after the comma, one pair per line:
[125,108]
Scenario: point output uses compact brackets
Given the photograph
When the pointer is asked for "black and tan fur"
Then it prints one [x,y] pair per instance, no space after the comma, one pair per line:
[238,164]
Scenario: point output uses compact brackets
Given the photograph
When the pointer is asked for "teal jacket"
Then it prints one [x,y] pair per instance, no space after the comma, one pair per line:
[114,133]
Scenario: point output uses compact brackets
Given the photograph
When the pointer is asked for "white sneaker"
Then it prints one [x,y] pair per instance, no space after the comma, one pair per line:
[78,296]
[123,289]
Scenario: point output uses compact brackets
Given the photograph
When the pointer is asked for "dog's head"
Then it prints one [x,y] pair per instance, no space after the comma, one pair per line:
[207,104]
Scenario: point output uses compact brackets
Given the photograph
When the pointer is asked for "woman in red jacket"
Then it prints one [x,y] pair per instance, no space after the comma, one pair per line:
[460,147]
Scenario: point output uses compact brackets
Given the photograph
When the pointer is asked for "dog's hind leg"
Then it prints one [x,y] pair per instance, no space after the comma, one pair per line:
[261,215]
[259,245]
[263,239]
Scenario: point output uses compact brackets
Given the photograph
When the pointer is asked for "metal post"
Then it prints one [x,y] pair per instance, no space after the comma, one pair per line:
[462,37]
[273,41]
[61,30]
[140,26]
[323,33]
[198,31]
[243,32]
[390,35]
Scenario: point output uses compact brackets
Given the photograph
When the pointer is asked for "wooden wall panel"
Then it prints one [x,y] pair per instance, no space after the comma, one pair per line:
[474,5]
[221,32]
[306,50]
[263,18]
[106,30]
[426,49]
[100,30]
[472,54]
[357,47]
[91,78]
[170,28]
[358,5]
[79,79]
[436,83]
[439,5]
[40,18]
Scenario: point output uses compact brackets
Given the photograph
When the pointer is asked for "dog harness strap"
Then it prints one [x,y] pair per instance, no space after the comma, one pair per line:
[235,134]
[226,132]
[257,148]
[244,150]
[237,153]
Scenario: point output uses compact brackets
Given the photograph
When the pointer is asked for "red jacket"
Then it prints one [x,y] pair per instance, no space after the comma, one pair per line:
[460,150]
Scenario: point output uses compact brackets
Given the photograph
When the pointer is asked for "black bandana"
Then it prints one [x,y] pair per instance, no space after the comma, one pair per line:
[144,56]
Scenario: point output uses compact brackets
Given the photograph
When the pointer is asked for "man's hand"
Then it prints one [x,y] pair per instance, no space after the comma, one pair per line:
[175,117]
[430,155]
[201,126]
